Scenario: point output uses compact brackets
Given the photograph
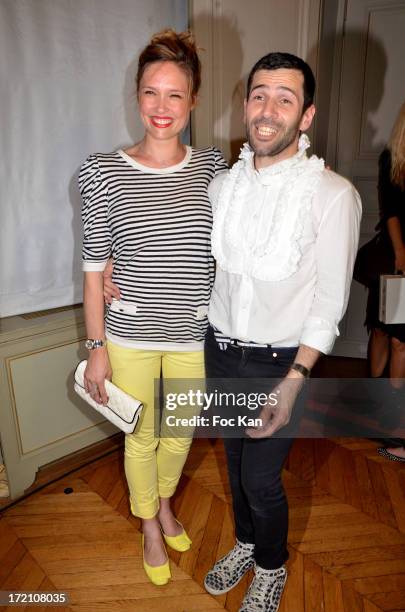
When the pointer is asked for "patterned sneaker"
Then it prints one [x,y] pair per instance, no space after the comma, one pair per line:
[384,453]
[265,591]
[229,570]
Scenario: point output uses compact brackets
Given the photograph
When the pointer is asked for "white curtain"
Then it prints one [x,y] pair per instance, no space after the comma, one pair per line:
[67,90]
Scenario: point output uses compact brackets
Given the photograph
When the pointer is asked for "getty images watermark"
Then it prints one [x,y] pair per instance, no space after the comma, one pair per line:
[205,401]
[320,408]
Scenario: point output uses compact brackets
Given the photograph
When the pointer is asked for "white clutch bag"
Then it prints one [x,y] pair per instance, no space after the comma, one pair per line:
[392,298]
[122,409]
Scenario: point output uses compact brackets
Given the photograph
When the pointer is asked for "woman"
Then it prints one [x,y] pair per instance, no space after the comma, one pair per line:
[148,207]
[387,342]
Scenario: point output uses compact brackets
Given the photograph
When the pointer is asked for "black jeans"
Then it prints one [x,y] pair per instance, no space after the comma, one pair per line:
[254,465]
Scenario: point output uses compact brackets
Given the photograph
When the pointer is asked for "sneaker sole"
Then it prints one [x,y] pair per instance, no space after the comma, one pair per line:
[211,591]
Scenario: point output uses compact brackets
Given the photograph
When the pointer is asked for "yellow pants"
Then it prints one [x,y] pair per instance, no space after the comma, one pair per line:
[153,465]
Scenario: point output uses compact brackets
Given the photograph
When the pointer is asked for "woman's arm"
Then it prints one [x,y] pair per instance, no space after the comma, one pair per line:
[111,291]
[394,230]
[98,365]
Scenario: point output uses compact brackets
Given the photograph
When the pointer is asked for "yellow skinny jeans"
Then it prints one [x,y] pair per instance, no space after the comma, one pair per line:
[153,465]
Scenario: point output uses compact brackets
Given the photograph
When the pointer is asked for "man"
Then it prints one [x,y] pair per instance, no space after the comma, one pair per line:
[284,238]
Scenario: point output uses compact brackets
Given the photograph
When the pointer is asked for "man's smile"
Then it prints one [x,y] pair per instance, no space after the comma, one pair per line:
[265,130]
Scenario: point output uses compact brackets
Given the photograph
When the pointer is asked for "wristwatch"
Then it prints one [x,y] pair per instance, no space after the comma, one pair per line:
[93,344]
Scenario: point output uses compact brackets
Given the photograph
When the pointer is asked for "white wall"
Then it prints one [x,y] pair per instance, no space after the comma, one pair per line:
[67,72]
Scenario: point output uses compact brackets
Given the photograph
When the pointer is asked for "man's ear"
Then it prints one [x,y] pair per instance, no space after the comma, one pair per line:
[307,118]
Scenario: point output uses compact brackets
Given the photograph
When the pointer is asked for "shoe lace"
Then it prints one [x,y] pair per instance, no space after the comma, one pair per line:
[236,556]
[259,588]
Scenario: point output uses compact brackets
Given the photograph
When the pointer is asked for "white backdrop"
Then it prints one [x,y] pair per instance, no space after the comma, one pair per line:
[67,72]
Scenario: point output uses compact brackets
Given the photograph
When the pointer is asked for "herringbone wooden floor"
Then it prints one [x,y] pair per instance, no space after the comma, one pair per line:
[347,535]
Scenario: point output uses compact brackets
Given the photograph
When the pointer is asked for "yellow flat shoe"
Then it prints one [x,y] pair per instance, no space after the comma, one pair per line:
[180,542]
[159,574]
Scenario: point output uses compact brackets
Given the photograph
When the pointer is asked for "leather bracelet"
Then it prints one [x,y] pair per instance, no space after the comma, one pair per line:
[298,367]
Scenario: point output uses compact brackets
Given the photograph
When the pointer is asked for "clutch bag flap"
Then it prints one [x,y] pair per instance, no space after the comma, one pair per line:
[122,409]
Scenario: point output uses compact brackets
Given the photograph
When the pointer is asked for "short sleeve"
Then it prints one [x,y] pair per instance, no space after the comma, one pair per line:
[220,162]
[97,235]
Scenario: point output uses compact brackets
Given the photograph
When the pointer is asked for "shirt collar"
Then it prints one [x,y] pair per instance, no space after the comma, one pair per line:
[247,154]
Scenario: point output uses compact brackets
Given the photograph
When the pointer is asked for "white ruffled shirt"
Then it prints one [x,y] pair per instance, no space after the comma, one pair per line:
[285,240]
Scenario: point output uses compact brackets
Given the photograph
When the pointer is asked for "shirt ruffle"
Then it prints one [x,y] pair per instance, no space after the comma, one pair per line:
[276,257]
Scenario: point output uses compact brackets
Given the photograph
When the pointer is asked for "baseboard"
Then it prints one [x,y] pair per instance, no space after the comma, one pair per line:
[66,465]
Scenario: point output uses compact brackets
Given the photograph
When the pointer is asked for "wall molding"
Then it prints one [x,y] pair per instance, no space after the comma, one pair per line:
[202,15]
[49,336]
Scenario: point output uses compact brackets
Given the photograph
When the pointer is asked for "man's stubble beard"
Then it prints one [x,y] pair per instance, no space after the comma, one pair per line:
[278,146]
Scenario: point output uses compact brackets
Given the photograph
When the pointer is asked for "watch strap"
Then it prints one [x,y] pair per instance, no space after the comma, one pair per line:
[298,367]
[91,344]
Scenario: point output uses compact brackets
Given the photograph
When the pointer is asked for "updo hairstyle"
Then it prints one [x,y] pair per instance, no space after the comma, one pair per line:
[177,47]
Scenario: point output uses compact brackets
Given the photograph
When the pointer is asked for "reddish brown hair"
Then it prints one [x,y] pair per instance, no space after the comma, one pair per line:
[177,47]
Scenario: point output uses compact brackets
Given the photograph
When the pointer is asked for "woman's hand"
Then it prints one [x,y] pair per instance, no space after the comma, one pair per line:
[400,259]
[97,370]
[110,290]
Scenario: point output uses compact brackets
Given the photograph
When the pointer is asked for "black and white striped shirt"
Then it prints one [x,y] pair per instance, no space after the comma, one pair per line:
[156,224]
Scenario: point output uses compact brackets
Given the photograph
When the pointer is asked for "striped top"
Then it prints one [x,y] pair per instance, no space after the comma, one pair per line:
[156,224]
